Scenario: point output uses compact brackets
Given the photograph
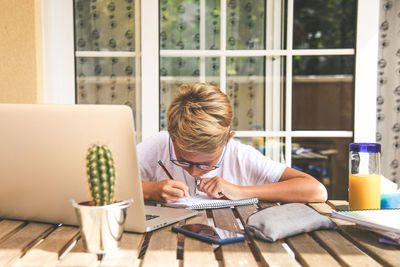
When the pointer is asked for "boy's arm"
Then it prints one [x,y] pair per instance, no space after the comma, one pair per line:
[293,186]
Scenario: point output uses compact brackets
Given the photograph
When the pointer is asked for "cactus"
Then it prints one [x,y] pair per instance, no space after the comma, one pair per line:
[100,169]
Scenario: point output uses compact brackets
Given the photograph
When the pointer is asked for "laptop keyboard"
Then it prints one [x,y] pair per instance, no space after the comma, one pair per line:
[149,216]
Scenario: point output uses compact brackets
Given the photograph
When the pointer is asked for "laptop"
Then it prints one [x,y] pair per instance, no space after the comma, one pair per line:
[43,152]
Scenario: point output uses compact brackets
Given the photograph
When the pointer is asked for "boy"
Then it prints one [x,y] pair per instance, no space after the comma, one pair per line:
[198,149]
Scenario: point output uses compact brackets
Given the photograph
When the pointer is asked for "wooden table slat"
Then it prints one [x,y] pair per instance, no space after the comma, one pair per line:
[338,204]
[343,250]
[196,252]
[46,253]
[367,241]
[236,253]
[264,205]
[225,219]
[17,243]
[322,208]
[363,239]
[309,253]
[161,250]
[325,209]
[8,227]
[79,257]
[245,211]
[274,254]
[128,254]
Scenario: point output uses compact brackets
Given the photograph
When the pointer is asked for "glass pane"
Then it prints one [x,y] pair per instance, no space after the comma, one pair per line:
[213,25]
[326,159]
[323,65]
[245,88]
[254,95]
[272,147]
[324,24]
[106,81]
[245,24]
[104,25]
[212,71]
[323,95]
[180,66]
[176,71]
[180,24]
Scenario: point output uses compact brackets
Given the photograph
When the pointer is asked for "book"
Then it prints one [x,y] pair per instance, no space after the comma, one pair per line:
[205,202]
[383,221]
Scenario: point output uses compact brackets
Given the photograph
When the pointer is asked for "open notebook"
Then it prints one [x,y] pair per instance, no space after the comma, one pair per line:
[204,202]
[383,220]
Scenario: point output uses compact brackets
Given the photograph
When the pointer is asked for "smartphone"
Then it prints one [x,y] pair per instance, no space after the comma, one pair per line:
[208,233]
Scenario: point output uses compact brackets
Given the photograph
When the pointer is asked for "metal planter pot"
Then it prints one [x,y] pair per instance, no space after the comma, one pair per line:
[102,226]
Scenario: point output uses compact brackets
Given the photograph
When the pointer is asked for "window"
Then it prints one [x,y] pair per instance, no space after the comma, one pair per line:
[107,53]
[288,67]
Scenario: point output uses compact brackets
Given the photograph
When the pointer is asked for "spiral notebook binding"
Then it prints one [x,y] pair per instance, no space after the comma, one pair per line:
[226,204]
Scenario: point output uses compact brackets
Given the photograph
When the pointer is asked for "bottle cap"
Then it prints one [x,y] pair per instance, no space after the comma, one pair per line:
[365,147]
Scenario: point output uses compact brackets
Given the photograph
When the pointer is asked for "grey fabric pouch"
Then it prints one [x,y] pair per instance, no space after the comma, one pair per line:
[282,221]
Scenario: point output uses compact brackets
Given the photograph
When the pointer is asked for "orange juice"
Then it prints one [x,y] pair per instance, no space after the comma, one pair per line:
[364,191]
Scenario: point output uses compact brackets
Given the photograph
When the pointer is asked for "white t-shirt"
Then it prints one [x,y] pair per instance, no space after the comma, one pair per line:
[242,165]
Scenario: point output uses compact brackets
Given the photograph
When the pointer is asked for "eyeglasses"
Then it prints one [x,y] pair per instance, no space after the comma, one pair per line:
[202,166]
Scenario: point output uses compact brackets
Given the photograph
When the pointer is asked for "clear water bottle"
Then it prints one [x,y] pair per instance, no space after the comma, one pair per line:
[365,176]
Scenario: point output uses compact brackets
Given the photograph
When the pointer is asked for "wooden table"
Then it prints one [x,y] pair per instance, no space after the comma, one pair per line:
[38,244]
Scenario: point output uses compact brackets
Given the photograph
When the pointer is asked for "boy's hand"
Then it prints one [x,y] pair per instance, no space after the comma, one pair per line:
[218,188]
[167,191]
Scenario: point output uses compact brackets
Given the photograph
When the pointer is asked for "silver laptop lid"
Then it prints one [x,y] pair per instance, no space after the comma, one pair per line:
[43,159]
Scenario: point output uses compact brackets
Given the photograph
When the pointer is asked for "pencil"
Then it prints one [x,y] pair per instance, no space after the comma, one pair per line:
[165,169]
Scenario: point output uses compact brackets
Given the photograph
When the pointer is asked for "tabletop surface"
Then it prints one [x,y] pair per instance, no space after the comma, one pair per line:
[39,244]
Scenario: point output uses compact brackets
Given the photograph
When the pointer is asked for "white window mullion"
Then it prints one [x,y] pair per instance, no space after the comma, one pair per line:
[322,52]
[313,134]
[255,53]
[105,53]
[289,60]
[202,40]
[366,71]
[150,68]
[202,63]
[269,116]
[269,15]
[222,60]
[276,77]
[278,24]
[138,73]
[318,133]
[58,52]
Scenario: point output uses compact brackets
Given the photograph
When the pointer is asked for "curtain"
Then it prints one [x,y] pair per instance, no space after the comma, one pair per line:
[388,95]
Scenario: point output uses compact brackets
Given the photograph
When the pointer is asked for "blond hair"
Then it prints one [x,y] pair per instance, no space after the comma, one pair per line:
[199,118]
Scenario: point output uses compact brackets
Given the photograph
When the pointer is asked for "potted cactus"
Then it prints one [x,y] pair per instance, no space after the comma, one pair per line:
[101,173]
[101,220]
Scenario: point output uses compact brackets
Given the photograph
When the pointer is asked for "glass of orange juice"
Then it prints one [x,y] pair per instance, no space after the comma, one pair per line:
[364,176]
